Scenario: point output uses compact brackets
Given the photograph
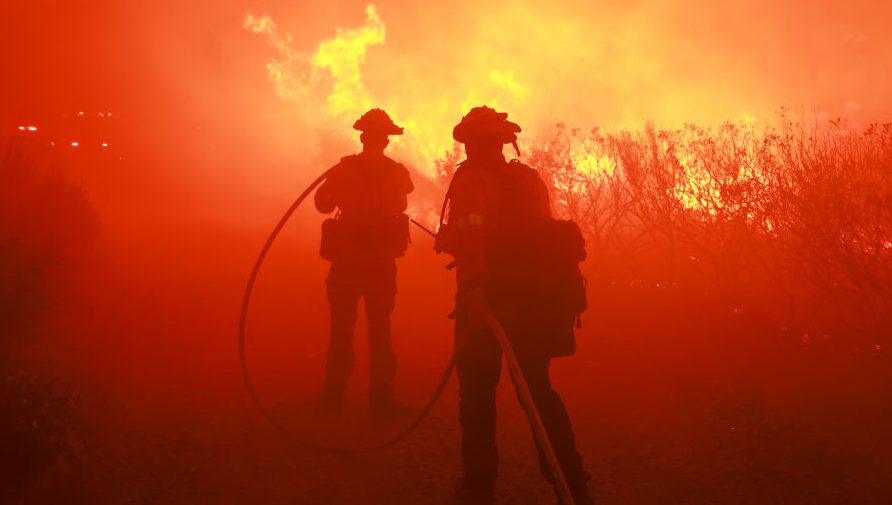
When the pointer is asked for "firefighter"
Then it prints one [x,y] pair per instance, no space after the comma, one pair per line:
[505,243]
[369,231]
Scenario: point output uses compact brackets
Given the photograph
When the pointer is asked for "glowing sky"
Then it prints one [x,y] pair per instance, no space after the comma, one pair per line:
[205,67]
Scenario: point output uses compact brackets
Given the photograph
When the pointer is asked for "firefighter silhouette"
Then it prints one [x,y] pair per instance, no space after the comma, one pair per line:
[514,260]
[368,232]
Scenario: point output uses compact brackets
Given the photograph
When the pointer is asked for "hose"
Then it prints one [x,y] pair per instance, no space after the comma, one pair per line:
[243,354]
[514,369]
[529,407]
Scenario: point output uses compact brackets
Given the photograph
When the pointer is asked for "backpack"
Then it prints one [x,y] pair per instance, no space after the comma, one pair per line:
[533,264]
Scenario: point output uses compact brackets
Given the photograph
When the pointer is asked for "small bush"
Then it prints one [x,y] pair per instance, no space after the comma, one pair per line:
[47,232]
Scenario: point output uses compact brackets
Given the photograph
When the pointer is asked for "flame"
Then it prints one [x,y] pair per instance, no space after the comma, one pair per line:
[333,75]
[329,85]
[299,77]
[697,189]
[588,161]
[343,57]
[699,186]
[505,85]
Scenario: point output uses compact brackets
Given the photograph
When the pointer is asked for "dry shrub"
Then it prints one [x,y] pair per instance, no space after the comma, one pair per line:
[793,222]
[47,232]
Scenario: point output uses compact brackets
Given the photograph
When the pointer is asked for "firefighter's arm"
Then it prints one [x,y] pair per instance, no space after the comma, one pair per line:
[467,220]
[470,262]
[326,196]
[407,186]
[404,187]
[466,242]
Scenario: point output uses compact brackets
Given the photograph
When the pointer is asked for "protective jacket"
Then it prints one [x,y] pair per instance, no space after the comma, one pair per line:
[503,237]
[369,192]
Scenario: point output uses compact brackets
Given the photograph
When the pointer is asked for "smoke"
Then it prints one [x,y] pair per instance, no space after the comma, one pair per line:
[333,74]
[343,56]
[287,70]
[607,65]
[233,114]
[336,64]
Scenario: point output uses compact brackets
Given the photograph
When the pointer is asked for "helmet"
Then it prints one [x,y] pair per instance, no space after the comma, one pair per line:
[484,123]
[376,120]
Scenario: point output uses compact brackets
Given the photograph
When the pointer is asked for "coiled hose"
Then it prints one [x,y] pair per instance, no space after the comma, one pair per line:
[243,355]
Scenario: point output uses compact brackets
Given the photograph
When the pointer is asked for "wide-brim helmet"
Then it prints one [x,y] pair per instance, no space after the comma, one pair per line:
[377,121]
[486,124]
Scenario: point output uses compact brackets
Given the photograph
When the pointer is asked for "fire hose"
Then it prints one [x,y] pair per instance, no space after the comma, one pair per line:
[243,354]
[514,370]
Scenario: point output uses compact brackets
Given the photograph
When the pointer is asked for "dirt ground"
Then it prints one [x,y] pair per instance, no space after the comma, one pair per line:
[718,408]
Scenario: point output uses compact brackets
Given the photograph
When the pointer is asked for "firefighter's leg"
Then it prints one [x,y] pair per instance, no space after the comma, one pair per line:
[379,304]
[478,366]
[343,299]
[558,426]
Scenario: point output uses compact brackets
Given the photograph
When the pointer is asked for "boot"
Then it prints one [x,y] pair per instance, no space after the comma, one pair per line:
[580,495]
[383,405]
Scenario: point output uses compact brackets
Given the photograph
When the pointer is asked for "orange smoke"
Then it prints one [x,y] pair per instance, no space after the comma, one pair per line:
[334,74]
[589,65]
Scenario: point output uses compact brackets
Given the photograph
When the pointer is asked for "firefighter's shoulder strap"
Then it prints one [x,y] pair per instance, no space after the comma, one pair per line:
[445,236]
[449,193]
[529,196]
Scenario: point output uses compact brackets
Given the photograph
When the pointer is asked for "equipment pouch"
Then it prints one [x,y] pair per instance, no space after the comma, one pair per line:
[395,236]
[352,238]
[335,240]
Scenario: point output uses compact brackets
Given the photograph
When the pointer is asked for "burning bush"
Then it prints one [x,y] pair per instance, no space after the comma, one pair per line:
[794,223]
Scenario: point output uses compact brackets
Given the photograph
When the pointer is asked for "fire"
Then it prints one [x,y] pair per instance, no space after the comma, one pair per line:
[504,81]
[332,84]
[343,57]
[588,160]
[299,77]
[333,75]
[697,189]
